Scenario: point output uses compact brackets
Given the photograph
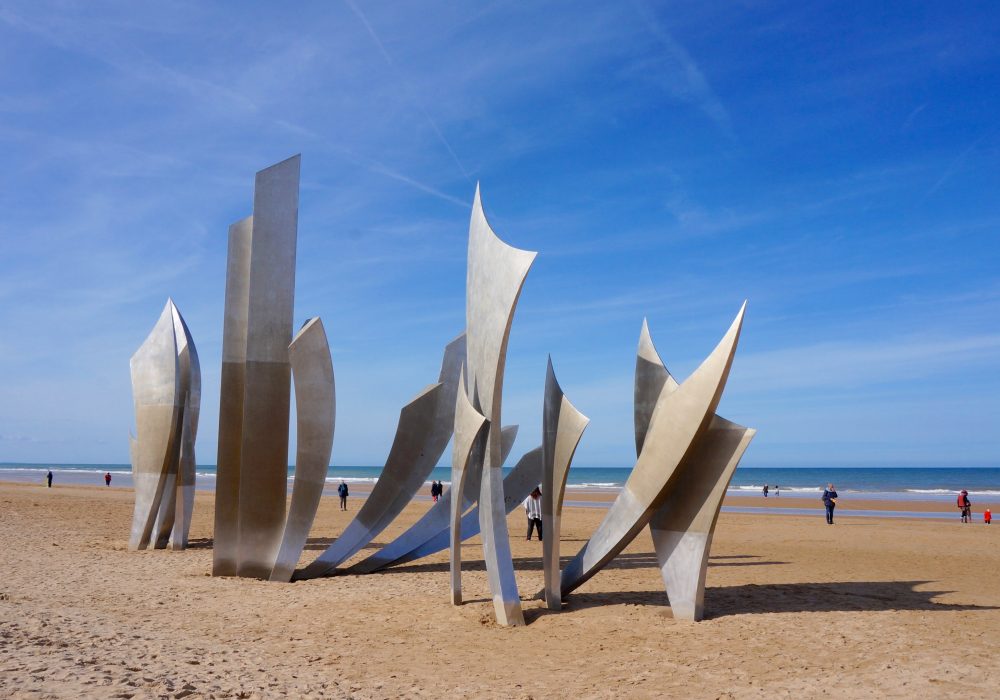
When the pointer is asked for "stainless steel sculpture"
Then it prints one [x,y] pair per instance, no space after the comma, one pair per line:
[424,428]
[470,434]
[156,393]
[253,538]
[562,428]
[494,279]
[315,415]
[683,526]
[234,360]
[267,388]
[166,385]
[680,417]
[433,523]
[190,388]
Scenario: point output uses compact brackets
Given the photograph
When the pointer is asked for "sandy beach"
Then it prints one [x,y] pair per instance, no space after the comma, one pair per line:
[795,608]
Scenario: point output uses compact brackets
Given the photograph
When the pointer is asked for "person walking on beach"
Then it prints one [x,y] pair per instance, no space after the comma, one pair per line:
[830,501]
[533,509]
[343,493]
[965,505]
[987,517]
[436,489]
[765,490]
[48,478]
[777,490]
[107,478]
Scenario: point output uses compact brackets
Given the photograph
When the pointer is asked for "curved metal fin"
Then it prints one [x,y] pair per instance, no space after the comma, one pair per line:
[562,428]
[470,427]
[678,419]
[422,434]
[155,391]
[494,279]
[315,412]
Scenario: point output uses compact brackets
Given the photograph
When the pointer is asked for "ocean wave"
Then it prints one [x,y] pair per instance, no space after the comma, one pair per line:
[595,485]
[64,470]
[809,489]
[955,492]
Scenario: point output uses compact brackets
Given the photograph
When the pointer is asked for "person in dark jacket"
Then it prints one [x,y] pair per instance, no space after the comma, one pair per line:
[830,501]
[343,493]
[48,478]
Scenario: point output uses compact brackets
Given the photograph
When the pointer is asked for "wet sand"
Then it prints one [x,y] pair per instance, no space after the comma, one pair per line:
[796,608]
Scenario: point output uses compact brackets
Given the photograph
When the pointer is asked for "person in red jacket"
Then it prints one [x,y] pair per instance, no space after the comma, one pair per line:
[965,505]
[987,518]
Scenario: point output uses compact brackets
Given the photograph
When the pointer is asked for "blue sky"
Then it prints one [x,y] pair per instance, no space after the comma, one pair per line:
[835,164]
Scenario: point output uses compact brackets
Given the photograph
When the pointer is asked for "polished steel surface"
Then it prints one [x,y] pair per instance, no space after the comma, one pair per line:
[433,523]
[521,481]
[683,526]
[156,394]
[494,279]
[562,428]
[267,382]
[234,357]
[469,443]
[190,370]
[422,434]
[315,414]
[680,417]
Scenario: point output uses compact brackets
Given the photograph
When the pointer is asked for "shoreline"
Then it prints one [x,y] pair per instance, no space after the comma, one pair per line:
[733,504]
[908,488]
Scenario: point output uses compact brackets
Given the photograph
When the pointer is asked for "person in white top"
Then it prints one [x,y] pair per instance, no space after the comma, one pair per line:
[533,509]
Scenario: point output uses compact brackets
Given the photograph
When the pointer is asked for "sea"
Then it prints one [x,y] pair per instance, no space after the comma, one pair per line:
[883,483]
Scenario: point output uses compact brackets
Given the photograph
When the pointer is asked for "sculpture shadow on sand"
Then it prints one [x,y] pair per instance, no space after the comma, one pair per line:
[753,599]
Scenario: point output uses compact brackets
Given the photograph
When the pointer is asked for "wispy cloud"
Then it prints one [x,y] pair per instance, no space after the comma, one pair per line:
[908,122]
[679,74]
[407,85]
[956,165]
[837,366]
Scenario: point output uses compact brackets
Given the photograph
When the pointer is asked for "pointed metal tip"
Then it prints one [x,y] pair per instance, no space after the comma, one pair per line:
[738,321]
[644,334]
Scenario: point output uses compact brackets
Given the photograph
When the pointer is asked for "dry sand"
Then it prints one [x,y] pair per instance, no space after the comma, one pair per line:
[796,608]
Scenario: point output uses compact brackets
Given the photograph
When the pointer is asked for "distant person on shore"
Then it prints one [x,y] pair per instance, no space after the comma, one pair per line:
[765,490]
[436,489]
[48,478]
[830,501]
[533,509]
[107,478]
[343,492]
[777,490]
[965,505]
[987,517]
